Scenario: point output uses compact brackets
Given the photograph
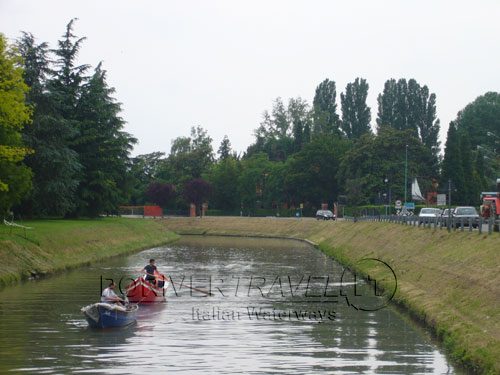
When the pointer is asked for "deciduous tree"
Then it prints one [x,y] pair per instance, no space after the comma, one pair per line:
[224,177]
[251,179]
[356,114]
[326,119]
[383,155]
[197,191]
[282,132]
[189,158]
[480,120]
[160,193]
[408,106]
[224,148]
[311,174]
[144,169]
[15,176]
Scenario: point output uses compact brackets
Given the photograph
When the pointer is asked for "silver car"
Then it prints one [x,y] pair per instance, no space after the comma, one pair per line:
[325,215]
[429,212]
[466,213]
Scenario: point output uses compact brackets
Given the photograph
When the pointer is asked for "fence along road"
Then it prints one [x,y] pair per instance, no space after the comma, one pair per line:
[457,224]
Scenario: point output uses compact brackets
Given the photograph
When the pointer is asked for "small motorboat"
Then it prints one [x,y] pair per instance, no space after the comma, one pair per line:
[142,291]
[107,315]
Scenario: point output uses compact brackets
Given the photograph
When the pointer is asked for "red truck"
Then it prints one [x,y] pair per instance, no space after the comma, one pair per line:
[491,205]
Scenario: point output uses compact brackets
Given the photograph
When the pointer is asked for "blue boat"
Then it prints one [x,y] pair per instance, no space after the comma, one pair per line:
[107,315]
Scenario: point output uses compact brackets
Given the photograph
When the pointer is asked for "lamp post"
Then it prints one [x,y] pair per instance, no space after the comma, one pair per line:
[406,169]
[386,181]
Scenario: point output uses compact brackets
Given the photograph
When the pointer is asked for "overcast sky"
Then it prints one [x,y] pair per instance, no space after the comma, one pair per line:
[219,64]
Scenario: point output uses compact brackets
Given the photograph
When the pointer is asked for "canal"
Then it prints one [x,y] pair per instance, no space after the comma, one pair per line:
[277,308]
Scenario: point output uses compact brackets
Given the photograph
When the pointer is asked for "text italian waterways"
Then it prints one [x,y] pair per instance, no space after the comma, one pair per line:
[261,313]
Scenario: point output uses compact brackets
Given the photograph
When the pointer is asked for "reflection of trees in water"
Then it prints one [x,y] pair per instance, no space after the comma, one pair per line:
[210,249]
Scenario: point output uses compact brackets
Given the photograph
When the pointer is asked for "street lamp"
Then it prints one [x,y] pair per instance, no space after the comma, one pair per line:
[386,181]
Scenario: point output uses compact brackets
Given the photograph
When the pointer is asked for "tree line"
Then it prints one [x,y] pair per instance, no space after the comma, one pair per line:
[63,150]
[312,154]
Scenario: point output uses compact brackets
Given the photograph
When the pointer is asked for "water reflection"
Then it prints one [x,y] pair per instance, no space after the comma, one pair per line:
[42,329]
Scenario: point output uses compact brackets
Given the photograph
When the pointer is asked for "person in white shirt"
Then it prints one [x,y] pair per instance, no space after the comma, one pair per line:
[108,295]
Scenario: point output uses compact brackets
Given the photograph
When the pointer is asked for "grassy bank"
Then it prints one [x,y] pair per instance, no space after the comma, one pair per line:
[450,281]
[56,245]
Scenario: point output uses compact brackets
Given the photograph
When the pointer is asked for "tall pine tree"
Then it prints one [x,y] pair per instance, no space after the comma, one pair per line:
[103,148]
[66,86]
[54,164]
[65,90]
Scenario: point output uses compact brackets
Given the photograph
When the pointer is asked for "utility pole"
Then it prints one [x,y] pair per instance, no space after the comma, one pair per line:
[406,171]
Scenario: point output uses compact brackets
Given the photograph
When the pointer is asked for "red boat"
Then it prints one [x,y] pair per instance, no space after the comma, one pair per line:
[142,291]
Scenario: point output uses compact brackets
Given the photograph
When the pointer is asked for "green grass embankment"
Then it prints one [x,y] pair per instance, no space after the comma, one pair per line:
[449,281]
[56,245]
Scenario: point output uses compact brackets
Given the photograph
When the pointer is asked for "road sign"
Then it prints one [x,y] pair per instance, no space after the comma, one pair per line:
[398,204]
[441,199]
[302,205]
[410,205]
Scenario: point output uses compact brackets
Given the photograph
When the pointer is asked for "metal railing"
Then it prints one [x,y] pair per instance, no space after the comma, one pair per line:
[450,223]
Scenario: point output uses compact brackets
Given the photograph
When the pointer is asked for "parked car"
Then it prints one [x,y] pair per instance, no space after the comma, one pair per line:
[445,212]
[429,212]
[466,213]
[325,215]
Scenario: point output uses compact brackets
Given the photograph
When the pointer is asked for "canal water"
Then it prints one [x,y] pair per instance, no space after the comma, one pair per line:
[277,308]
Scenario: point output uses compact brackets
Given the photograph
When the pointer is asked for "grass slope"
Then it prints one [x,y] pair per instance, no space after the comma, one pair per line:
[450,281]
[56,245]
